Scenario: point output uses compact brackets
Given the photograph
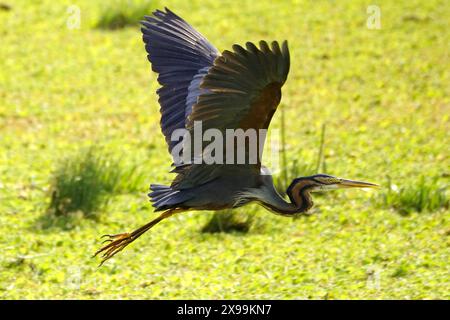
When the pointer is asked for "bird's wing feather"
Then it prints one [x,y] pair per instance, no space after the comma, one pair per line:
[177,53]
[241,90]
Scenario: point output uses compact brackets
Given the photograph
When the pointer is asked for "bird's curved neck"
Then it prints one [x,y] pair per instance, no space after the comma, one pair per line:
[299,192]
[300,197]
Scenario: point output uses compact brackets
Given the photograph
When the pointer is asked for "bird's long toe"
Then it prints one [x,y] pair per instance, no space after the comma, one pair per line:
[117,243]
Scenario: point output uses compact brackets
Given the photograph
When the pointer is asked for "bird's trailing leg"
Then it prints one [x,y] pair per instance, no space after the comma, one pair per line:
[118,242]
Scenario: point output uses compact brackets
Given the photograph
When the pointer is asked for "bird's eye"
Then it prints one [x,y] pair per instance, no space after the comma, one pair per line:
[331,181]
[326,181]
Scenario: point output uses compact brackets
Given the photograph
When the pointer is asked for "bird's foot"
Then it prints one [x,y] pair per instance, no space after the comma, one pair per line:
[117,242]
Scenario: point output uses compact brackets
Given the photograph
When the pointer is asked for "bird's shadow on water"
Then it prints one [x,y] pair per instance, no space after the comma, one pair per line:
[242,223]
[227,221]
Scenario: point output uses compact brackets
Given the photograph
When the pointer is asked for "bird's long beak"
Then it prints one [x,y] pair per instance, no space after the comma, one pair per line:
[344,183]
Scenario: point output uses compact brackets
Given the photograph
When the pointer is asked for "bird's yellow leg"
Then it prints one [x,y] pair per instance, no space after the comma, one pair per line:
[118,242]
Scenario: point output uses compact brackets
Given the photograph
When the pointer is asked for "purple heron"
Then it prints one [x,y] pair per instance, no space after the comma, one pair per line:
[238,89]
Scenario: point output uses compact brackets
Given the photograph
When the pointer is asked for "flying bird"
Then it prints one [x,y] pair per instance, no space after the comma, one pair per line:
[237,89]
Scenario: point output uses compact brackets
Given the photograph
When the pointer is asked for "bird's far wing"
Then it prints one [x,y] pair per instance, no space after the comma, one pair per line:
[177,53]
[241,90]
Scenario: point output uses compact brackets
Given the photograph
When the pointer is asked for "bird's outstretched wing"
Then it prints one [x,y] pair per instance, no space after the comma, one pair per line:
[243,87]
[178,53]
[241,90]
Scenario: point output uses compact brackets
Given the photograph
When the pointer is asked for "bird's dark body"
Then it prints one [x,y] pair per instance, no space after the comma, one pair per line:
[208,196]
[237,90]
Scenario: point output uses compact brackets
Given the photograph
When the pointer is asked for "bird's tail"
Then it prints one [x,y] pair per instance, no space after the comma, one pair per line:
[164,197]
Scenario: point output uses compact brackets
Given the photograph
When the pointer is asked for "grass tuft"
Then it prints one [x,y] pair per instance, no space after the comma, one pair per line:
[5,7]
[119,14]
[81,183]
[424,195]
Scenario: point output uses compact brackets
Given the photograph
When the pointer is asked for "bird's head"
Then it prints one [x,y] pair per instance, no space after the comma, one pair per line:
[300,189]
[324,182]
